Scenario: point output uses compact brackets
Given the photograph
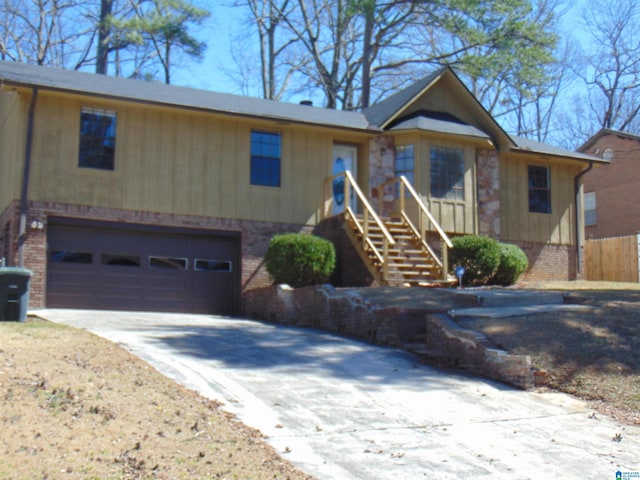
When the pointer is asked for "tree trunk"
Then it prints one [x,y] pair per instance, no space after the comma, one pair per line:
[104,34]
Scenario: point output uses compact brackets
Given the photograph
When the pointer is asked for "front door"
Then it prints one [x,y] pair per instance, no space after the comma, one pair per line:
[344,158]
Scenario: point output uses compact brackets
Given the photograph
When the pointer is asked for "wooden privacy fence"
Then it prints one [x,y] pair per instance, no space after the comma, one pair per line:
[612,259]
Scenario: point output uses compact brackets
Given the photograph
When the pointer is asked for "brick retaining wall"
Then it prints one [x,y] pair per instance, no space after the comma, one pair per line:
[434,336]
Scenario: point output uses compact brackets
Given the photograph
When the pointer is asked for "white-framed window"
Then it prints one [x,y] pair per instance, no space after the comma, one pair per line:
[590,209]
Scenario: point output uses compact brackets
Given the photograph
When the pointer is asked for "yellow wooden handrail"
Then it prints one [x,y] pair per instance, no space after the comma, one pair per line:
[423,210]
[421,205]
[368,212]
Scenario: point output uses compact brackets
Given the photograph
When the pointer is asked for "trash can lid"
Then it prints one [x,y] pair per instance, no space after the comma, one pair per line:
[25,272]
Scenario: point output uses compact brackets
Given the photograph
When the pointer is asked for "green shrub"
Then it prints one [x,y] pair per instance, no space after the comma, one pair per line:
[299,259]
[480,257]
[513,262]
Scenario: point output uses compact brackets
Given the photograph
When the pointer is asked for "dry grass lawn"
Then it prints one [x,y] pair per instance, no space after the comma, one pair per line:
[75,406]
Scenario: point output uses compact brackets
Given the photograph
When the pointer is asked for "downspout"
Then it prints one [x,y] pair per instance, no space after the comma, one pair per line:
[579,240]
[25,178]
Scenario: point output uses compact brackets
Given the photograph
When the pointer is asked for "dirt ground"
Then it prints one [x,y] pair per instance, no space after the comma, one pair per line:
[74,406]
[594,355]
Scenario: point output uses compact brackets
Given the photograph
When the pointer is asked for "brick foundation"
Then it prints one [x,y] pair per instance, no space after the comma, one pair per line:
[549,262]
[350,270]
[254,237]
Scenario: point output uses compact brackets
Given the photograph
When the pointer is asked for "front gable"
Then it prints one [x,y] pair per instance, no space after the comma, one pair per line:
[445,105]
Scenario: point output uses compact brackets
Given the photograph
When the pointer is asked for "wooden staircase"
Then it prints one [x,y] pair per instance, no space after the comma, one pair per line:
[394,250]
[410,262]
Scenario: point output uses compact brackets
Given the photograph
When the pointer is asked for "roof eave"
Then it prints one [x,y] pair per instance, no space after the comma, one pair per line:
[275,118]
[581,158]
[475,138]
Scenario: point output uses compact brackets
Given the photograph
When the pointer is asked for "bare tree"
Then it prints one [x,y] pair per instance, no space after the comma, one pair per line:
[266,20]
[104,36]
[611,68]
[44,32]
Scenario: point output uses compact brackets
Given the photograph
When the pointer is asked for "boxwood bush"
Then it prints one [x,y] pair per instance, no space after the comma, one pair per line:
[513,262]
[299,259]
[480,257]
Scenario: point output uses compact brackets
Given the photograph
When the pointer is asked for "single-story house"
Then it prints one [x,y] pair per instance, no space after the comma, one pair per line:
[610,194]
[126,194]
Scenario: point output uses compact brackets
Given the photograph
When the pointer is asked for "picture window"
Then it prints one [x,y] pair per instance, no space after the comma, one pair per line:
[447,173]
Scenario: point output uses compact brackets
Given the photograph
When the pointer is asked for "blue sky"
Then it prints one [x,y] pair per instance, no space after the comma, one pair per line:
[217,33]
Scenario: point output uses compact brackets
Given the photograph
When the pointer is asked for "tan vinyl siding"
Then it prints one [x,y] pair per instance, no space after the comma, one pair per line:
[517,223]
[182,162]
[13,108]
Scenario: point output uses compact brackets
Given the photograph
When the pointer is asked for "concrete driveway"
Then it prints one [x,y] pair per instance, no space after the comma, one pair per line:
[343,409]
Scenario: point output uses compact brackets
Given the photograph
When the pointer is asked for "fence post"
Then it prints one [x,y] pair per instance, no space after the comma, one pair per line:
[638,250]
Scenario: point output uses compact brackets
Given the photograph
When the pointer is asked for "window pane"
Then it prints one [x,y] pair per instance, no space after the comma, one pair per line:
[120,260]
[203,265]
[404,165]
[69,256]
[265,159]
[172,263]
[539,190]
[447,173]
[590,208]
[97,139]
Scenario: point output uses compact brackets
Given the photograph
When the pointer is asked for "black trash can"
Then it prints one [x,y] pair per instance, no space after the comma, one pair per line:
[14,293]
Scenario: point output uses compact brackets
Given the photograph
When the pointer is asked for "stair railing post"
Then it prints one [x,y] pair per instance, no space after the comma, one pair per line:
[445,260]
[365,218]
[402,195]
[347,193]
[385,258]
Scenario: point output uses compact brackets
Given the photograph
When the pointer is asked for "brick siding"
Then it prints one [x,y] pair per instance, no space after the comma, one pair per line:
[254,237]
[616,186]
[549,262]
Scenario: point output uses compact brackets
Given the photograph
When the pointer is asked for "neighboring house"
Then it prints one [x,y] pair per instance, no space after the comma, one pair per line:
[126,194]
[611,193]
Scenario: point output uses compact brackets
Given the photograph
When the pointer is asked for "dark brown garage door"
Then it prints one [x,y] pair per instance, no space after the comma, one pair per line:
[108,267]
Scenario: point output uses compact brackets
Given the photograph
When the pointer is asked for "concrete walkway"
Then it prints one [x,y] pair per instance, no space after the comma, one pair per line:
[497,303]
[342,409]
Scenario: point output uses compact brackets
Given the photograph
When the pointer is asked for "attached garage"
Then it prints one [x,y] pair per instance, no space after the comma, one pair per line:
[120,267]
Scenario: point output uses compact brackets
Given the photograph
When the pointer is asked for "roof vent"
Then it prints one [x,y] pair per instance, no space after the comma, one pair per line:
[306,103]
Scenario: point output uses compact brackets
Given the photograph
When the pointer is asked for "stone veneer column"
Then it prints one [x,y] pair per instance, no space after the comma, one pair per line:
[381,169]
[488,178]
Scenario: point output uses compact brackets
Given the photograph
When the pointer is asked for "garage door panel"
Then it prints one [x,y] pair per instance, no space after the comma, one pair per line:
[100,267]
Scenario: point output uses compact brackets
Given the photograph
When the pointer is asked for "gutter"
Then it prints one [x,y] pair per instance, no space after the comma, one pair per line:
[25,178]
[576,188]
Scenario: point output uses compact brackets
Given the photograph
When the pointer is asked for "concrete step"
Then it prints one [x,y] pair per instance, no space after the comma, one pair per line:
[512,298]
[495,303]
